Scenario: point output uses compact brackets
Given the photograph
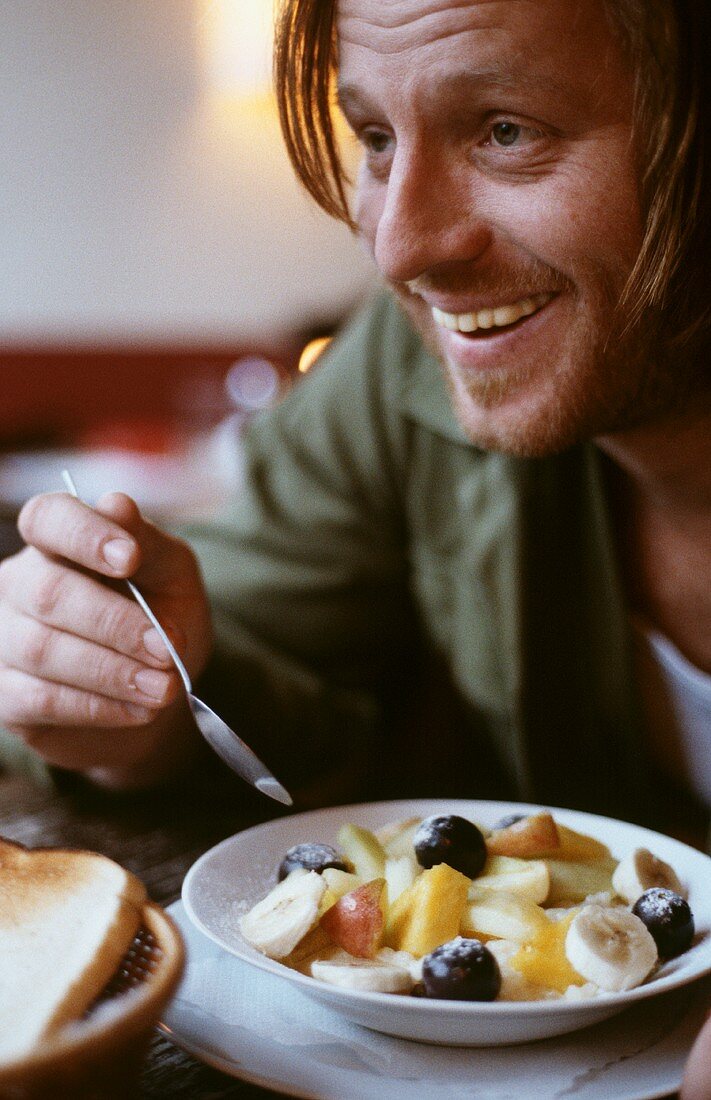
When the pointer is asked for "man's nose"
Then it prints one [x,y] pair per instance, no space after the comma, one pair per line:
[431,217]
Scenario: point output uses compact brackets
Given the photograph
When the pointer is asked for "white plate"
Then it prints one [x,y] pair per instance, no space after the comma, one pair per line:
[254,1026]
[231,877]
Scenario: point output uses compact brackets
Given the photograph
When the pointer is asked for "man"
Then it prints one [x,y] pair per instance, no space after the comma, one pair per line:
[532,191]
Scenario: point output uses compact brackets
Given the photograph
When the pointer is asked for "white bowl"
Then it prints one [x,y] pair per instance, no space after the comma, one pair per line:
[226,881]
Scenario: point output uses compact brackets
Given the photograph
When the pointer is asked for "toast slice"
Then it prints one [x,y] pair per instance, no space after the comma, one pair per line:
[66,921]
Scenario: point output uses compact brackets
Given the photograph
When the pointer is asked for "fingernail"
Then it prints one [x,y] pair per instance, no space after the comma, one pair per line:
[117,552]
[151,683]
[155,645]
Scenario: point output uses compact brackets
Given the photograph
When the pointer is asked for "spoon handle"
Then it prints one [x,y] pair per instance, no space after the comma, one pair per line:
[138,596]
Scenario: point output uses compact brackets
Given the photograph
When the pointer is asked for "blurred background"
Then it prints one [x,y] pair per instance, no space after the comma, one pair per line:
[162,275]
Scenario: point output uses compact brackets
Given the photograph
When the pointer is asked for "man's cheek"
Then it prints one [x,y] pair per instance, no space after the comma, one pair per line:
[601,213]
[368,203]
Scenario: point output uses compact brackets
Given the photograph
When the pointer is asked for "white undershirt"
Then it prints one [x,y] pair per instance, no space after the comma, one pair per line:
[677,701]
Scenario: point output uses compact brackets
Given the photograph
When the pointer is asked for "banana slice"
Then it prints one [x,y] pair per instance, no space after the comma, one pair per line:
[610,947]
[639,871]
[366,975]
[279,921]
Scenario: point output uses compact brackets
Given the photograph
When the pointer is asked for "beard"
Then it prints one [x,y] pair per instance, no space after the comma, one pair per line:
[603,377]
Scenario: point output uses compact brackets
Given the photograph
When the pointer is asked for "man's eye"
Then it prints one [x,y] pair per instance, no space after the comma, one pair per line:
[505,133]
[375,141]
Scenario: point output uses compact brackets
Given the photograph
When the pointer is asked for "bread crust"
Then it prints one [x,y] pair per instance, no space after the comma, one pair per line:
[67,918]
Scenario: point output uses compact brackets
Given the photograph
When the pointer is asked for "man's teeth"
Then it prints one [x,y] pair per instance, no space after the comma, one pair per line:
[490,318]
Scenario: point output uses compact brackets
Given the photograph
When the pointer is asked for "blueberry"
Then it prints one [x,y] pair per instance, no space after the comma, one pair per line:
[668,919]
[510,819]
[452,840]
[461,970]
[314,857]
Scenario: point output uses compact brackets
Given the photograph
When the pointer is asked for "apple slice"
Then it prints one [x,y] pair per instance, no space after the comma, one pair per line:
[531,837]
[356,921]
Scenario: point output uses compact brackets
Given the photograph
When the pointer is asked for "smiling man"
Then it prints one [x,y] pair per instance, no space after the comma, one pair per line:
[532,190]
[500,197]
[506,195]
[497,482]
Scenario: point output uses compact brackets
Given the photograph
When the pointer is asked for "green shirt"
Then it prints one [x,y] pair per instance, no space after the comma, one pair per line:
[375,550]
[397,606]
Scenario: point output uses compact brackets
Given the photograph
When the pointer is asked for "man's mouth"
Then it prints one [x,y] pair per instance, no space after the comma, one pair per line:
[487,319]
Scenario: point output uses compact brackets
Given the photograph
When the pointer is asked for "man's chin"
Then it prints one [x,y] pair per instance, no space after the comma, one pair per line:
[537,437]
[512,418]
[509,413]
[503,411]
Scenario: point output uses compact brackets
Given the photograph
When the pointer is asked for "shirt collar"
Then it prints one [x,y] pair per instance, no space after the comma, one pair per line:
[424,395]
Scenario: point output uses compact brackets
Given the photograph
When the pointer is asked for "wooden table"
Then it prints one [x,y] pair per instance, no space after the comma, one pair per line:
[158,837]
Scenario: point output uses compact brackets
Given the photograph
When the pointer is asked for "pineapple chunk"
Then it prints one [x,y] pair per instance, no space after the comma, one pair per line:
[543,961]
[494,913]
[364,850]
[429,913]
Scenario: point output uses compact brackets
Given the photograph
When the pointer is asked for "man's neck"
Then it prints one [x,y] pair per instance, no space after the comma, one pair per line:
[667,464]
[660,490]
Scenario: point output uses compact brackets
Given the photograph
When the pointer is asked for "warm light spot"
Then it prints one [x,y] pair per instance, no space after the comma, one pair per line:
[312,351]
[239,43]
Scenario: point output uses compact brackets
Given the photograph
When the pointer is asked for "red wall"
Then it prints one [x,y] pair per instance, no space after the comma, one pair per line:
[56,396]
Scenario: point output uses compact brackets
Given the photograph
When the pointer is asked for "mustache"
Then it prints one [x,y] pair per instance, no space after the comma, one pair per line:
[511,282]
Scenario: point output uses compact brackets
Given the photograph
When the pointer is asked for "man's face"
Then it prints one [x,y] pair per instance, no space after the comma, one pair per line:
[499,195]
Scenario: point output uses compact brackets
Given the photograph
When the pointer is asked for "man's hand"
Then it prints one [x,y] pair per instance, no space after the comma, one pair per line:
[84,678]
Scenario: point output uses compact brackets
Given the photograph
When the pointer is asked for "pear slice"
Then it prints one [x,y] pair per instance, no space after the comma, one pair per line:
[503,916]
[400,874]
[527,878]
[572,882]
[364,850]
[397,837]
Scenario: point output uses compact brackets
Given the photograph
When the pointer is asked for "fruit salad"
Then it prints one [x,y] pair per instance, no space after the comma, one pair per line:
[444,908]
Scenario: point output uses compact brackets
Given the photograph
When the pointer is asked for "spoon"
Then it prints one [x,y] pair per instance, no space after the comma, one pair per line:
[223,740]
